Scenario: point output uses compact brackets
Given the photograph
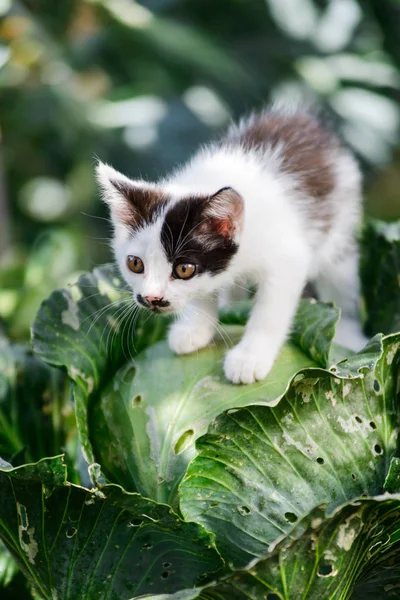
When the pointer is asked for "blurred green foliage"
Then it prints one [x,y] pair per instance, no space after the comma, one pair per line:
[141,84]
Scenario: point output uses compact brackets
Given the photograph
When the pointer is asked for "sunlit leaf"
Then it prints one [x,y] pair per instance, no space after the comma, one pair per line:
[259,470]
[144,424]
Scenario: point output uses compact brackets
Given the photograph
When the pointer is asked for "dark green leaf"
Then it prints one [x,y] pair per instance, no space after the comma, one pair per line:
[13,584]
[76,544]
[380,271]
[323,561]
[36,416]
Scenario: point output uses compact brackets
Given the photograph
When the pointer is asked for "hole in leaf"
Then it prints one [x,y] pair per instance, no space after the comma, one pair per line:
[137,401]
[164,575]
[135,523]
[214,504]
[320,460]
[147,546]
[372,425]
[184,441]
[71,532]
[378,449]
[244,510]
[353,477]
[291,517]
[325,570]
[377,387]
[167,565]
[129,374]
[25,537]
[358,419]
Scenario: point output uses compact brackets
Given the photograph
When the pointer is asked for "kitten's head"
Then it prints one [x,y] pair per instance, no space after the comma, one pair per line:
[170,250]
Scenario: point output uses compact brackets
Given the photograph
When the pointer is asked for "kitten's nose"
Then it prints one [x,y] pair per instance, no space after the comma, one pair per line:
[157,301]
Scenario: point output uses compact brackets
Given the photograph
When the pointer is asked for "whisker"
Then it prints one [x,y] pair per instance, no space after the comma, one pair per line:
[114,328]
[125,321]
[131,331]
[91,296]
[243,288]
[180,248]
[103,310]
[183,226]
[108,244]
[170,239]
[214,321]
[97,217]
[133,321]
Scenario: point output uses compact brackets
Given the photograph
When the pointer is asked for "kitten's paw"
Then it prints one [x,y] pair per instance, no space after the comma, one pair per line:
[243,365]
[184,340]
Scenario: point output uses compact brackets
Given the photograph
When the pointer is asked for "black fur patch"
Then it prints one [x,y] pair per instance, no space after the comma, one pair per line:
[143,205]
[189,237]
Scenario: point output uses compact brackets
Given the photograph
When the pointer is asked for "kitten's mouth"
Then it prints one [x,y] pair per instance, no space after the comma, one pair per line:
[156,306]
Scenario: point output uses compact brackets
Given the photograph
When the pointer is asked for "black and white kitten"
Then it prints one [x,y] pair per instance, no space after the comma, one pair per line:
[276,202]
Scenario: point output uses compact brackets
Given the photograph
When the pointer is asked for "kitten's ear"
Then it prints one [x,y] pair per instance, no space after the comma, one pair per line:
[129,201]
[224,212]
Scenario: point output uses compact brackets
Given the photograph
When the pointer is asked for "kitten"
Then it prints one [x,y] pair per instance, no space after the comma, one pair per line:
[276,202]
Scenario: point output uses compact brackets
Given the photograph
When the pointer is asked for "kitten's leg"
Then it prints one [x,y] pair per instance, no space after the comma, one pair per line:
[195,328]
[269,323]
[338,282]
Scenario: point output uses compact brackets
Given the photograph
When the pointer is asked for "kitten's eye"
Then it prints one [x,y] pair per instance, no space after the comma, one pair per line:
[184,271]
[135,264]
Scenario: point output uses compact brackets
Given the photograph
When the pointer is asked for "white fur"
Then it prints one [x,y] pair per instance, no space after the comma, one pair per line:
[280,248]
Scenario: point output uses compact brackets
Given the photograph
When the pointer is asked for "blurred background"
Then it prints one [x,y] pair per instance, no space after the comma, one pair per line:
[142,84]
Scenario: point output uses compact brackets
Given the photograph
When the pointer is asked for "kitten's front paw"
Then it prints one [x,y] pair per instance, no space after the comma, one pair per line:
[184,340]
[244,365]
